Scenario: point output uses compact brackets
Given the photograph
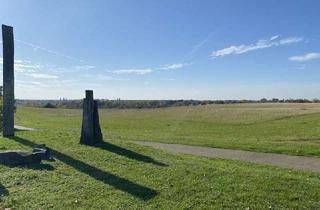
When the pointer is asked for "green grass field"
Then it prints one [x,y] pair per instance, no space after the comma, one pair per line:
[281,128]
[120,174]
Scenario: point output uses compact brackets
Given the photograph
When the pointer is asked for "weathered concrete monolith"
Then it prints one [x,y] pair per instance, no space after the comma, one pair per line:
[8,81]
[16,157]
[91,131]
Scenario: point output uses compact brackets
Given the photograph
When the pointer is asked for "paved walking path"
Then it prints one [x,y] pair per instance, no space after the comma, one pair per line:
[288,161]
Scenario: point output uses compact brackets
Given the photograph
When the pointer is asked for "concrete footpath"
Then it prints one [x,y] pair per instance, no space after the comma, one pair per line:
[287,161]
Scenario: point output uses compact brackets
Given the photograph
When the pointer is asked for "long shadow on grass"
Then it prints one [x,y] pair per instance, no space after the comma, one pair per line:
[127,153]
[3,191]
[33,166]
[119,183]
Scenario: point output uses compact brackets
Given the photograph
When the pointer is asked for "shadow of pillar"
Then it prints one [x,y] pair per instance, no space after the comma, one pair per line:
[119,183]
[127,153]
[3,191]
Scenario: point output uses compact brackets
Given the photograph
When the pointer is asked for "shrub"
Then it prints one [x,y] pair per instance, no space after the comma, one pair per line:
[50,106]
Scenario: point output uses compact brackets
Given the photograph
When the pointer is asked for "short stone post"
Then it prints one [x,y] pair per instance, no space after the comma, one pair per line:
[91,131]
[8,81]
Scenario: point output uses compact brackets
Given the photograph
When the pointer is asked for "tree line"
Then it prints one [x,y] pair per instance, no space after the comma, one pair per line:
[142,104]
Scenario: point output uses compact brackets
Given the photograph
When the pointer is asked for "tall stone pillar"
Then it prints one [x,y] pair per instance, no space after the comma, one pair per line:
[96,124]
[91,131]
[8,81]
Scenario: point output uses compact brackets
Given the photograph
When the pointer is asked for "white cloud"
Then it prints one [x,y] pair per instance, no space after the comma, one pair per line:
[30,84]
[133,71]
[274,41]
[36,47]
[274,37]
[289,40]
[85,67]
[305,57]
[108,78]
[198,46]
[100,77]
[302,67]
[24,66]
[174,66]
[150,70]
[41,76]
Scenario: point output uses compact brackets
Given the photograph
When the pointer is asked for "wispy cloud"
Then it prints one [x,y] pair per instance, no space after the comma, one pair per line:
[274,37]
[302,67]
[24,66]
[274,41]
[42,76]
[143,71]
[36,47]
[100,77]
[173,66]
[133,71]
[84,67]
[305,57]
[198,46]
[109,78]
[33,84]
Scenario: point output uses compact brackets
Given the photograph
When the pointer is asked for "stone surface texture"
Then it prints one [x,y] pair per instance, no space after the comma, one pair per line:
[8,81]
[91,131]
[40,152]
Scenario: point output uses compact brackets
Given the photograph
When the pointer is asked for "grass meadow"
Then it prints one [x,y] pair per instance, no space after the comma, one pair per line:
[119,174]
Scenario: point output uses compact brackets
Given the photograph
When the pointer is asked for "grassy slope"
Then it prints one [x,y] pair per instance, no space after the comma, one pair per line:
[282,128]
[119,174]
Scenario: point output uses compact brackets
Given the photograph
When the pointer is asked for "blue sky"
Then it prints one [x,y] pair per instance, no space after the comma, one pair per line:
[168,49]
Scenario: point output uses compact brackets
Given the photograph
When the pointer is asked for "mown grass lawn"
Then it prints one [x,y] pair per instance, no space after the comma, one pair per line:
[120,174]
[281,128]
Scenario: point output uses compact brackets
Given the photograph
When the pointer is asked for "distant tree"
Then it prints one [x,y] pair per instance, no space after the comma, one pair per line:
[49,105]
[263,100]
[315,100]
